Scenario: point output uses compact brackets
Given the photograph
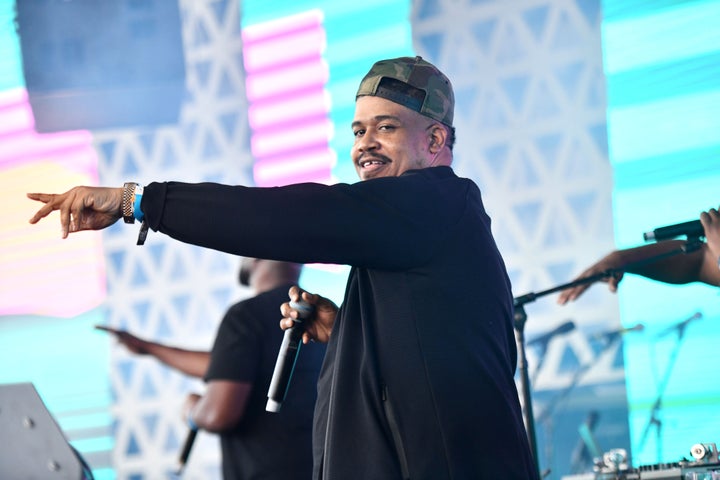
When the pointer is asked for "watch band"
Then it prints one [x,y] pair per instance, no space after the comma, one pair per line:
[128,200]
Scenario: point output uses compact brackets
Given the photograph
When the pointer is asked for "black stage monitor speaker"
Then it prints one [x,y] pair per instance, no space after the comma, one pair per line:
[94,64]
[33,446]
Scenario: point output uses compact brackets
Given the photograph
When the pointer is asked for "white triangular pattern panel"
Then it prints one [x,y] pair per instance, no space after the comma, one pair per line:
[531,129]
[166,290]
[530,120]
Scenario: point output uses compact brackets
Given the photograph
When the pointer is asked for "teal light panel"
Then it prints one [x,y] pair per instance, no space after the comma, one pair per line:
[662,62]
[67,362]
[11,75]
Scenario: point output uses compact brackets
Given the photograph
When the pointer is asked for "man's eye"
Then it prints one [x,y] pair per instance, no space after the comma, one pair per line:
[358,133]
[386,127]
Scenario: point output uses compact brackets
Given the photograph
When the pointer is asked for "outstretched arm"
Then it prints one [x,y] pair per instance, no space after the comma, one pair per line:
[189,362]
[700,265]
[81,208]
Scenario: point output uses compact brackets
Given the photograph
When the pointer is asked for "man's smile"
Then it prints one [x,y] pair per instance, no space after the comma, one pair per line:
[372,161]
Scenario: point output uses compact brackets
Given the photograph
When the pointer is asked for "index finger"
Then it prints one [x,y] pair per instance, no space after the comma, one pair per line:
[106,329]
[46,209]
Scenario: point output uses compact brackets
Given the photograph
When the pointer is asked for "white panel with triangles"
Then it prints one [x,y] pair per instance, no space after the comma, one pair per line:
[531,130]
[165,290]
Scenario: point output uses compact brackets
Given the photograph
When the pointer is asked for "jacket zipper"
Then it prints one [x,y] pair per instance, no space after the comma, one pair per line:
[392,422]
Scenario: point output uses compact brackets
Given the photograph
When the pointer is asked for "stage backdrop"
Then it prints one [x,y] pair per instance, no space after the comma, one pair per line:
[532,132]
[662,61]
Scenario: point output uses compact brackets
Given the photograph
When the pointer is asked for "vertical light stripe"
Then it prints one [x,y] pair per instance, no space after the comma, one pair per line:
[289,106]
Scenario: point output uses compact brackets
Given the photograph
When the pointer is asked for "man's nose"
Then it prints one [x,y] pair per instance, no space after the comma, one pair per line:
[367,142]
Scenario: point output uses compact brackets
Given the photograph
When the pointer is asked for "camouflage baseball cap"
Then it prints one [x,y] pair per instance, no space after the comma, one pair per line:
[436,99]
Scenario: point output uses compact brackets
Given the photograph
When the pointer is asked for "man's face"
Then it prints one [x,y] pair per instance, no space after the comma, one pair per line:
[389,138]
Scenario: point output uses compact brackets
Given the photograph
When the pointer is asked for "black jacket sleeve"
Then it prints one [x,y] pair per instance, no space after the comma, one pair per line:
[389,223]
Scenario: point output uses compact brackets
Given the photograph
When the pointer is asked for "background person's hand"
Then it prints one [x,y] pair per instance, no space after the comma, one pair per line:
[711,224]
[130,341]
[607,263]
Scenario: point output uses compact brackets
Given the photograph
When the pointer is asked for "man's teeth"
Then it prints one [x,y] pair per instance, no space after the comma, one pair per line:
[367,163]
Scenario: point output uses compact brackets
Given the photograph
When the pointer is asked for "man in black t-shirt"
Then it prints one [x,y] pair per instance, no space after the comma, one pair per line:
[238,370]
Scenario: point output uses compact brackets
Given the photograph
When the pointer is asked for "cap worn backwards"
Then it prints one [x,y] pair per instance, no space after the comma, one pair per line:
[430,92]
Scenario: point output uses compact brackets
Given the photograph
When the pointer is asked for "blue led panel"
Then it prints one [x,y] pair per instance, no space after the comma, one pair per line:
[662,61]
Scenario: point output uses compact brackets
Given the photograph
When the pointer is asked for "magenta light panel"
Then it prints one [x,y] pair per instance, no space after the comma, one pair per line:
[41,273]
[289,105]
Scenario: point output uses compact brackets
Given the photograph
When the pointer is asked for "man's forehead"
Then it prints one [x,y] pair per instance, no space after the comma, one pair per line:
[373,109]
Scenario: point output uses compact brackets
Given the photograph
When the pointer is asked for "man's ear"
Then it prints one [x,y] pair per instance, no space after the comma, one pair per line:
[438,136]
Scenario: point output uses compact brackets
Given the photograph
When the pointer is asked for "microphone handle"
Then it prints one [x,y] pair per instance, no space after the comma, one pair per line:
[287,357]
[289,350]
[187,447]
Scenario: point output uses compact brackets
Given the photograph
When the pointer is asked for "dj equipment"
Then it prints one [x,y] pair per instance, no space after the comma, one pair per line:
[705,465]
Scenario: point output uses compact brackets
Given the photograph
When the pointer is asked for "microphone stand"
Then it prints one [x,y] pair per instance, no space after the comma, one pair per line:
[520,319]
[545,416]
[654,419]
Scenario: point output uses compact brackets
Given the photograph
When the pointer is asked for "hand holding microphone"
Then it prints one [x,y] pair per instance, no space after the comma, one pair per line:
[314,321]
[186,449]
[190,403]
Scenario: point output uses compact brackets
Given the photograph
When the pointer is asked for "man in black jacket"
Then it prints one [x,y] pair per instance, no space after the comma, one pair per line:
[418,380]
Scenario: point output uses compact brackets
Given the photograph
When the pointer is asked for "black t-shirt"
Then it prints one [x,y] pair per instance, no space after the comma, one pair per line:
[265,445]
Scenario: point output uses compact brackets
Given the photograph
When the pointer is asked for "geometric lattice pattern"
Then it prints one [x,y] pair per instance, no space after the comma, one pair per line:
[531,127]
[165,290]
[530,119]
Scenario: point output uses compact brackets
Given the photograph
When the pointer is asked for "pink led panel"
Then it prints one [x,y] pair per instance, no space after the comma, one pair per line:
[289,106]
[41,274]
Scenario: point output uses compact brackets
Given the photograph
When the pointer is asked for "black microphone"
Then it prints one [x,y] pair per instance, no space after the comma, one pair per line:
[692,229]
[289,350]
[545,338]
[612,334]
[187,447]
[680,326]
